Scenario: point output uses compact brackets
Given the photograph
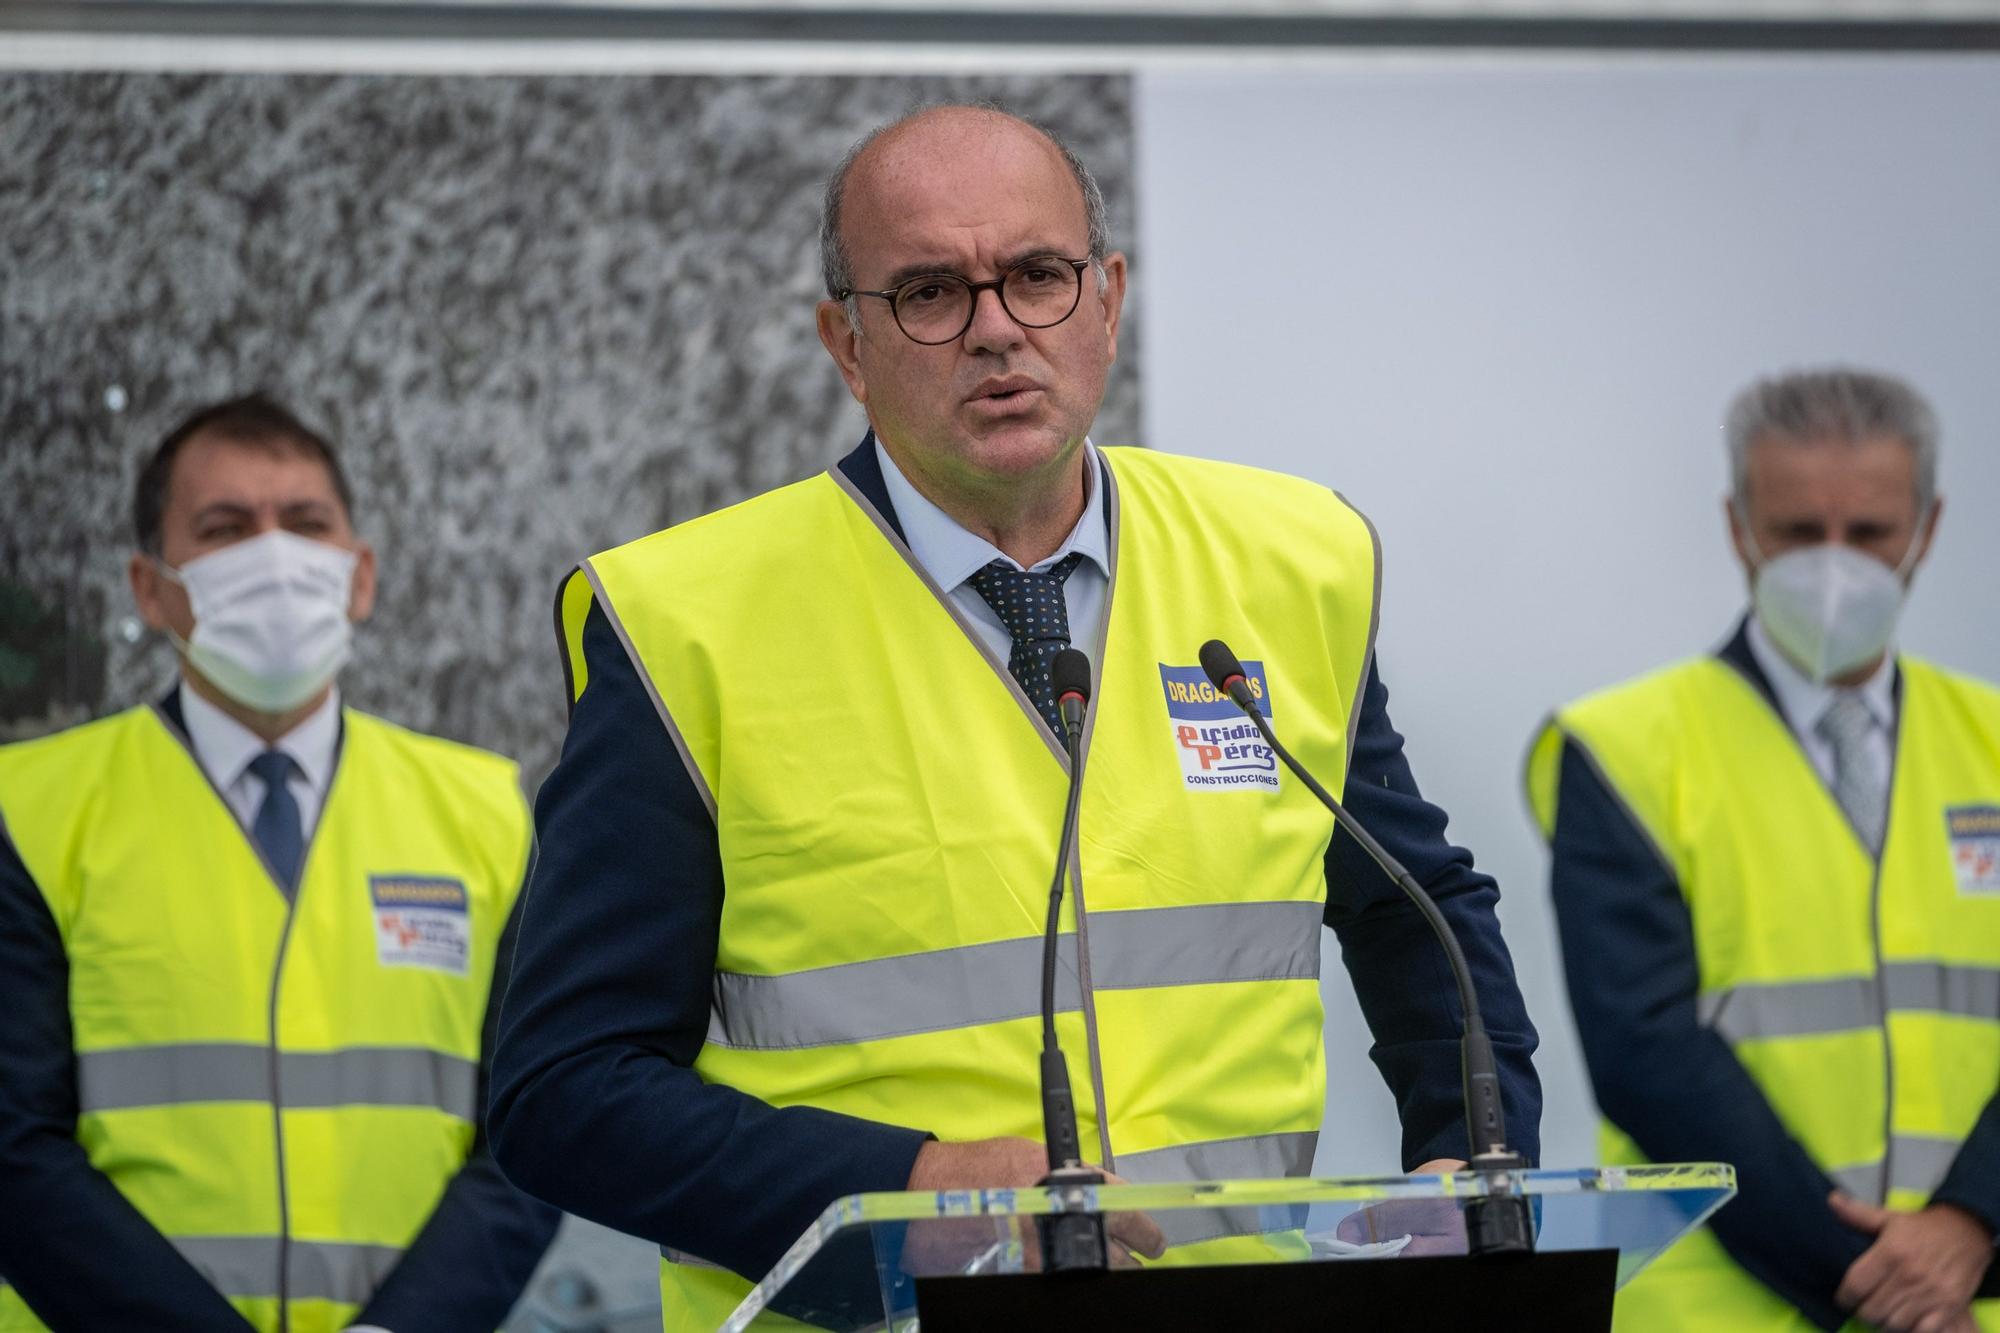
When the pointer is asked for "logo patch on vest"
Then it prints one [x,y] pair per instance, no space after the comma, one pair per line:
[1975,847]
[421,921]
[1219,747]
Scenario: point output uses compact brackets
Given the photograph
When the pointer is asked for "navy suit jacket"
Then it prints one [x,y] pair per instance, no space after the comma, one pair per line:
[1674,1085]
[596,1106]
[84,1258]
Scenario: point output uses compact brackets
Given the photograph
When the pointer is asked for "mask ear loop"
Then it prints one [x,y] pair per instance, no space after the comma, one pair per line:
[171,575]
[1904,569]
[1908,564]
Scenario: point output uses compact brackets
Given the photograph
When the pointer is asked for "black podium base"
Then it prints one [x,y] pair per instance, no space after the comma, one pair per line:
[1561,1292]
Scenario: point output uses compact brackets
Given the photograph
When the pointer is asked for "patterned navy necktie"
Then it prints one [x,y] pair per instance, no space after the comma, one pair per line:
[1031,606]
[278,829]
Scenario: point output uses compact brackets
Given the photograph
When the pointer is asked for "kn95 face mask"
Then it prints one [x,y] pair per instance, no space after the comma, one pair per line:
[1830,607]
[270,617]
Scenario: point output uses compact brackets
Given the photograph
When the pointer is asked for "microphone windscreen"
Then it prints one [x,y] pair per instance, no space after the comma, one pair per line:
[1219,664]
[1070,673]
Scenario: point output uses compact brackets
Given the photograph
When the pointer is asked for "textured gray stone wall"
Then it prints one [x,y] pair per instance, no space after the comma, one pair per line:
[539,316]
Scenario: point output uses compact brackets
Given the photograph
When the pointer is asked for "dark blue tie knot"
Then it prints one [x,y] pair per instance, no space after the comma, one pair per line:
[273,768]
[1030,604]
[278,829]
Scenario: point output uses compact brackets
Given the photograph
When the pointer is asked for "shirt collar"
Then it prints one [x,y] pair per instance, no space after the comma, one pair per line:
[950,554]
[224,747]
[1805,702]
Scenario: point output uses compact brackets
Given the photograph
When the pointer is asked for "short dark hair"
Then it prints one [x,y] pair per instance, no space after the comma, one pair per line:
[255,419]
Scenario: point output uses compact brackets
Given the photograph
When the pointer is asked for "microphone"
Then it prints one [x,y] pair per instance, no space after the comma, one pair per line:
[1070,674]
[1496,1224]
[1071,1241]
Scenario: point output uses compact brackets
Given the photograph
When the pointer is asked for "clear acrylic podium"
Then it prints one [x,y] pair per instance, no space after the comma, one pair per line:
[1385,1252]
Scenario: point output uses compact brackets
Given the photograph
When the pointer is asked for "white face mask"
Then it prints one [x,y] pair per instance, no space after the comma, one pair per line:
[1829,607]
[270,617]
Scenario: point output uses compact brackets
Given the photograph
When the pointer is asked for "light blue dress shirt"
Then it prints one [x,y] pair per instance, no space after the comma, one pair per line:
[951,555]
[1804,702]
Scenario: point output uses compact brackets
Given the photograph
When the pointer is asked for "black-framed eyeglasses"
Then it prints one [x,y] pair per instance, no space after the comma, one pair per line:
[936,308]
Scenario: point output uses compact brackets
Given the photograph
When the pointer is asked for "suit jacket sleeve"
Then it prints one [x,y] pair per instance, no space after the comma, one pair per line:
[481,1243]
[596,1106]
[1673,1085]
[1973,1183]
[1399,970]
[73,1247]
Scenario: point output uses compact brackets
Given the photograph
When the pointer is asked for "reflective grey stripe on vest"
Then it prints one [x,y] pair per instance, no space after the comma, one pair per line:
[380,1076]
[1944,988]
[999,981]
[247,1266]
[1916,1163]
[237,1072]
[1260,1157]
[1790,1009]
[1863,1182]
[1919,1164]
[1804,1008]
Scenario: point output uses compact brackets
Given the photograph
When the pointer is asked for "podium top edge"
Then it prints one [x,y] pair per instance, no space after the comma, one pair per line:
[1699,1177]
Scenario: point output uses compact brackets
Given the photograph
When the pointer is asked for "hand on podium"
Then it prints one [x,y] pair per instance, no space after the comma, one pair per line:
[1434,1226]
[1003,1163]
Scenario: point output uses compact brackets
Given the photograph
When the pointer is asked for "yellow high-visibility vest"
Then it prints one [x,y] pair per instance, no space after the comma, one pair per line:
[887,805]
[282,1087]
[1862,995]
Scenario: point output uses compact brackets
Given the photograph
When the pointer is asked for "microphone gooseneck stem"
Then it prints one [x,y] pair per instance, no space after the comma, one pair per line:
[1485,1130]
[1073,1238]
[1498,1223]
[1058,1103]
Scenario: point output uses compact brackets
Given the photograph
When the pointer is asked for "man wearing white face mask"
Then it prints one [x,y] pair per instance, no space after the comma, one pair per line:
[1776,869]
[248,940]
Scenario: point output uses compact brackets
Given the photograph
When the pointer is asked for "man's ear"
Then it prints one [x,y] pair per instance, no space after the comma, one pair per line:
[1927,533]
[1112,294]
[1739,536]
[837,333]
[151,592]
[361,593]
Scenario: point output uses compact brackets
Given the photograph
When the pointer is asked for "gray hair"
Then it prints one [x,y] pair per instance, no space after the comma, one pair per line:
[833,261]
[1840,402]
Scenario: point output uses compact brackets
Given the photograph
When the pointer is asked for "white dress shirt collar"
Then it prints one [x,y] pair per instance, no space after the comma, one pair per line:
[950,554]
[224,747]
[1804,702]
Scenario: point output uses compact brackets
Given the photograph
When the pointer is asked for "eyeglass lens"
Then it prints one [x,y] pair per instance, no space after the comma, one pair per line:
[1036,294]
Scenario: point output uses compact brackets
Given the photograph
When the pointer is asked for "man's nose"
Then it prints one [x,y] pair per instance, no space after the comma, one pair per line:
[992,329]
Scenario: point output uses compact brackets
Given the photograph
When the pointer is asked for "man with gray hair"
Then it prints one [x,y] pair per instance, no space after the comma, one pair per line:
[1776,869]
[782,940]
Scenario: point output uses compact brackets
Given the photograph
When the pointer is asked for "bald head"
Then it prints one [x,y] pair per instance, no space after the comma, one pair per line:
[989,422]
[933,139]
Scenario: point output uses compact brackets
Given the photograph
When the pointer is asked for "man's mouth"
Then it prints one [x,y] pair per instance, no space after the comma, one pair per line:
[1003,391]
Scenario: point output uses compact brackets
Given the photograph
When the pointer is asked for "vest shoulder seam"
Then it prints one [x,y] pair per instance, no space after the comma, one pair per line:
[1647,682]
[1374,623]
[804,490]
[1958,680]
[474,756]
[652,689]
[76,734]
[1611,789]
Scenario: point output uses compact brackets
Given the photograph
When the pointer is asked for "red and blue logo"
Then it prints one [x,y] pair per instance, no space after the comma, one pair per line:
[1219,747]
[1975,847]
[421,921]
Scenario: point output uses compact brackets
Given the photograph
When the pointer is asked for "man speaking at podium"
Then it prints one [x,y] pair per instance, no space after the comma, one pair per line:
[782,942]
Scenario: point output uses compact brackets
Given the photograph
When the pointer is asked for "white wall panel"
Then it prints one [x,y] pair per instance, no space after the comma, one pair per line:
[1501,303]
